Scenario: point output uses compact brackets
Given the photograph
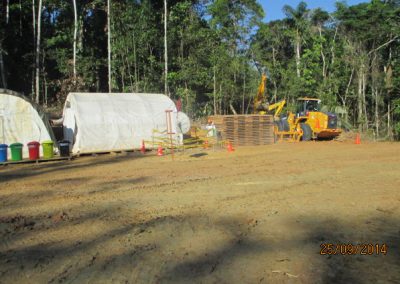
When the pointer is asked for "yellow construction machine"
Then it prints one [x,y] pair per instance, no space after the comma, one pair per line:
[309,122]
[260,104]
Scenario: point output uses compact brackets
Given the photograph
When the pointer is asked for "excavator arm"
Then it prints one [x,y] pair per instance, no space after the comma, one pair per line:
[259,105]
[278,107]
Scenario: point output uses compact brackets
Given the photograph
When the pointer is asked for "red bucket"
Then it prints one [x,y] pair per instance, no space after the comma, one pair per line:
[33,150]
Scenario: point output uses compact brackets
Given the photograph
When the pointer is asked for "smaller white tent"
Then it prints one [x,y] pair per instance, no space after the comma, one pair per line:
[95,122]
[21,121]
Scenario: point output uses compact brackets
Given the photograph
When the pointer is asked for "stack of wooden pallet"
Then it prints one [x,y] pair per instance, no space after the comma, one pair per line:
[245,130]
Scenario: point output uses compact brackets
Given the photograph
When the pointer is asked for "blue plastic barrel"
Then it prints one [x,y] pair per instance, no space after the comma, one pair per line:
[3,152]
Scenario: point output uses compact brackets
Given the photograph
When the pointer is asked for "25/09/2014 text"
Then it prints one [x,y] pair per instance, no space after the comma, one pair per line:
[353,249]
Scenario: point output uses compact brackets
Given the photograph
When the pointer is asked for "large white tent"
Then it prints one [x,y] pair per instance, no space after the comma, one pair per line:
[21,120]
[95,122]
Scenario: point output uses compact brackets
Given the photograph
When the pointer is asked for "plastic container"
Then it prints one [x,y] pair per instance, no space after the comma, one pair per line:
[64,148]
[3,152]
[48,152]
[16,151]
[33,148]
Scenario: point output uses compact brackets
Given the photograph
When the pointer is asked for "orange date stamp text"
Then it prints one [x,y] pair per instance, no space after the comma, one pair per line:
[353,249]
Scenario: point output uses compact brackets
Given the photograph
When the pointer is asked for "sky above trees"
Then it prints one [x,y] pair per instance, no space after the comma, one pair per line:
[273,8]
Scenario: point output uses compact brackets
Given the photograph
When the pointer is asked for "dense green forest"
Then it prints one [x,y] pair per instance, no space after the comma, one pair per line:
[216,51]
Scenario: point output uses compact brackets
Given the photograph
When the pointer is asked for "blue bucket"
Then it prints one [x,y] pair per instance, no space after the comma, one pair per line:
[3,152]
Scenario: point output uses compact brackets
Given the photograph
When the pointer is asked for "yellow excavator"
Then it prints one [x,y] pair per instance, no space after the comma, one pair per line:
[309,122]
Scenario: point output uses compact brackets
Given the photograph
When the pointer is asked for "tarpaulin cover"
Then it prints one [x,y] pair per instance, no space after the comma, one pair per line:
[21,121]
[95,122]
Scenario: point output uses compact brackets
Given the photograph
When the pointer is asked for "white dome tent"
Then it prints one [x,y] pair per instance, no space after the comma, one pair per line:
[22,121]
[96,122]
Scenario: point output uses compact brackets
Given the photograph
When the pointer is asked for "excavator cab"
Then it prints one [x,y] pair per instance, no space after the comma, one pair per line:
[307,105]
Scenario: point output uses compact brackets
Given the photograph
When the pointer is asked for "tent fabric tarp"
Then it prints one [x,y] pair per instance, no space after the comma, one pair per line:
[95,122]
[22,121]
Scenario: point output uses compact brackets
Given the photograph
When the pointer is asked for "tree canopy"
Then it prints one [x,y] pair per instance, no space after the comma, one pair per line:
[216,51]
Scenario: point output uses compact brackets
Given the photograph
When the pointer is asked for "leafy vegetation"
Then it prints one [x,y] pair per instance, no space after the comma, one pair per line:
[216,51]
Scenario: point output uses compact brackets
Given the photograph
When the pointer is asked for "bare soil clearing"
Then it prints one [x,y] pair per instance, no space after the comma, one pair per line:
[258,215]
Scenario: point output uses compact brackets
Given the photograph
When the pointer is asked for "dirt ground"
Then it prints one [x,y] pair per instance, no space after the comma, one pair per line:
[258,215]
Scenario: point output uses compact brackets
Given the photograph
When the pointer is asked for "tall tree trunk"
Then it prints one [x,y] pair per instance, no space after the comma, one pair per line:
[34,24]
[344,98]
[126,64]
[215,90]
[136,68]
[165,50]
[364,100]
[322,54]
[330,69]
[248,105]
[109,44]
[37,62]
[20,18]
[375,90]
[98,80]
[34,46]
[7,11]
[333,48]
[389,126]
[298,51]
[389,87]
[126,59]
[376,95]
[122,72]
[79,40]
[181,46]
[75,38]
[2,69]
[45,83]
[359,98]
[220,100]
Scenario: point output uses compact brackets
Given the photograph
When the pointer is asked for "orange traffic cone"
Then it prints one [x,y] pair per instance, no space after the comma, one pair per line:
[230,147]
[160,151]
[143,148]
[317,124]
[205,144]
[358,139]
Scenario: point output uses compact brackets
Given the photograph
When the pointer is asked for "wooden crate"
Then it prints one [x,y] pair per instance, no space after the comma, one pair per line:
[245,130]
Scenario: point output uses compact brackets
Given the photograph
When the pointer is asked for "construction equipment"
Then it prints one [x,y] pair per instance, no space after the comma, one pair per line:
[282,128]
[315,123]
[288,126]
[309,122]
[260,103]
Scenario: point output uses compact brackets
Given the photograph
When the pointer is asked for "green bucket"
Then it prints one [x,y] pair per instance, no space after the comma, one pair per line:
[16,151]
[48,152]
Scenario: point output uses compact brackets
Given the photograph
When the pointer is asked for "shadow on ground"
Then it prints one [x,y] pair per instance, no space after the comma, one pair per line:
[13,172]
[56,190]
[183,248]
[348,265]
